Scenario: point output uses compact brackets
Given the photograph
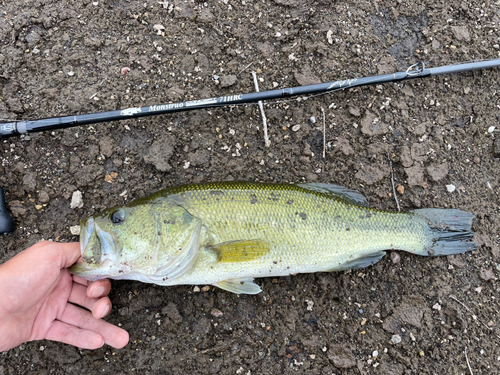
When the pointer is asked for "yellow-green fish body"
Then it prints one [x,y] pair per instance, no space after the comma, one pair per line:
[228,233]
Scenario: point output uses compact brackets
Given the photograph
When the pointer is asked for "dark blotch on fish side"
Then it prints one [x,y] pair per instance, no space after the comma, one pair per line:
[254,199]
[303,215]
[289,202]
[217,192]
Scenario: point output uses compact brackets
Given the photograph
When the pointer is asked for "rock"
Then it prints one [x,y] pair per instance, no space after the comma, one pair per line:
[438,171]
[175,94]
[343,145]
[86,175]
[306,78]
[76,200]
[106,145]
[404,314]
[372,174]
[216,313]
[391,369]
[341,357]
[395,257]
[160,153]
[450,188]
[75,230]
[415,175]
[395,339]
[172,312]
[228,80]
[17,210]
[354,111]
[33,37]
[43,196]
[205,16]
[29,182]
[419,129]
[486,274]
[400,189]
[371,125]
[461,33]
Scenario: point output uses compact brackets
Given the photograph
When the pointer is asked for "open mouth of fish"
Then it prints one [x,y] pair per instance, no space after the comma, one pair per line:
[97,247]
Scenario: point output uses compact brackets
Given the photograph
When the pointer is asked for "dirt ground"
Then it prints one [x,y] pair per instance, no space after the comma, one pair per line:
[406,314]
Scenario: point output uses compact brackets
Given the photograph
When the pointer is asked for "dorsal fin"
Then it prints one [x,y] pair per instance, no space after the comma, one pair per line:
[240,250]
[339,192]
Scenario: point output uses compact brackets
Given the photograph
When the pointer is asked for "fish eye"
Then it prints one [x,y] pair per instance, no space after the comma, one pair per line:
[118,216]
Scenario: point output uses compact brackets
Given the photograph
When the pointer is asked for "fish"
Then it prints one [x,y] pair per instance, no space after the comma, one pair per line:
[227,234]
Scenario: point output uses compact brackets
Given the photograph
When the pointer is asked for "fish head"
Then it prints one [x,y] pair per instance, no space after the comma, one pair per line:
[138,242]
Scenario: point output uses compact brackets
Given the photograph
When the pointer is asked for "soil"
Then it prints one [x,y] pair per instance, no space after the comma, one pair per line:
[400,316]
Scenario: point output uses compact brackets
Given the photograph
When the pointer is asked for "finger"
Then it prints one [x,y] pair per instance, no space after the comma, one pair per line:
[68,253]
[99,288]
[100,307]
[69,334]
[114,336]
[81,280]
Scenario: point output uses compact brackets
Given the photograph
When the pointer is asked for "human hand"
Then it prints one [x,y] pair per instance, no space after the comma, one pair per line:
[38,298]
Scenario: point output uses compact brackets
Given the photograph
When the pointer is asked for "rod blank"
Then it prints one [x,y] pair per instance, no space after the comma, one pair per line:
[415,71]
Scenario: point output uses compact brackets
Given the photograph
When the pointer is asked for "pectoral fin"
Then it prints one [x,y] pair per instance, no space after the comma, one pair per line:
[240,251]
[362,262]
[243,285]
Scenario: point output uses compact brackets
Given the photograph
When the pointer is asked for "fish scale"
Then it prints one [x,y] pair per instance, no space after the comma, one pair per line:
[228,233]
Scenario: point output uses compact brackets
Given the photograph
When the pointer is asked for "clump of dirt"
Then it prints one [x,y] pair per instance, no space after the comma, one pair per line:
[406,314]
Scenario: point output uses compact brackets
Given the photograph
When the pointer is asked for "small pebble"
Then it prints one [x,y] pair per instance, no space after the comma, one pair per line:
[76,200]
[375,353]
[296,128]
[75,230]
[400,189]
[124,70]
[206,288]
[491,129]
[450,188]
[396,339]
[312,120]
[437,307]
[395,257]
[216,313]
[196,289]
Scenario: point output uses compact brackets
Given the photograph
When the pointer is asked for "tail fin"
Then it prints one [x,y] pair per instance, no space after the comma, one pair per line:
[451,230]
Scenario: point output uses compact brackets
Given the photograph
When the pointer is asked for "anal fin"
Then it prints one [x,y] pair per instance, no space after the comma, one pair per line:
[244,285]
[362,262]
[240,250]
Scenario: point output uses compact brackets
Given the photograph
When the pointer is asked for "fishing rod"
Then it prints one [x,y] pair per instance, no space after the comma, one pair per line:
[418,70]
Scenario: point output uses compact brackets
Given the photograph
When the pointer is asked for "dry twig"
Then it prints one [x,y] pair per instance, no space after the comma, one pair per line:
[392,180]
[467,358]
[324,133]
[264,120]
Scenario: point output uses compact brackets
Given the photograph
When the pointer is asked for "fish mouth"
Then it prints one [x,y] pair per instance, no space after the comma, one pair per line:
[97,248]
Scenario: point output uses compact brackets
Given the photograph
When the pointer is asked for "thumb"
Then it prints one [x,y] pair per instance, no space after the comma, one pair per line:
[67,253]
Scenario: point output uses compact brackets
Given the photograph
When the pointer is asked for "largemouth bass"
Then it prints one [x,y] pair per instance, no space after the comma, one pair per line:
[228,233]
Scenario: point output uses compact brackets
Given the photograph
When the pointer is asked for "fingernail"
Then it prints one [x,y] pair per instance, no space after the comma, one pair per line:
[99,291]
[106,310]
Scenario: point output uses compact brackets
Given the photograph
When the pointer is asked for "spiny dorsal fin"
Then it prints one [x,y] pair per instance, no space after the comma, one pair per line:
[244,285]
[240,251]
[344,194]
